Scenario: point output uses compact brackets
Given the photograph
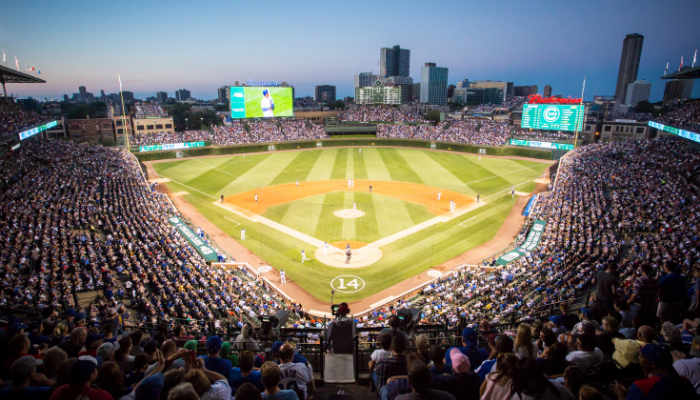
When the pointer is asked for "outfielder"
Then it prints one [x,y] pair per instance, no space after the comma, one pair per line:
[479,158]
[267,104]
[242,234]
[325,248]
[303,257]
[283,278]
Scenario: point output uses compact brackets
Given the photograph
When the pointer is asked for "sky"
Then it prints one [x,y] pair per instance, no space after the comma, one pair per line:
[202,45]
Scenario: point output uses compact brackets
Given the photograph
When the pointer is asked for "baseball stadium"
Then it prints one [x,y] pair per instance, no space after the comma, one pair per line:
[502,244]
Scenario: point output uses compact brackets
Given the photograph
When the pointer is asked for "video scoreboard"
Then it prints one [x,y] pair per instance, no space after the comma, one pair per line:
[557,117]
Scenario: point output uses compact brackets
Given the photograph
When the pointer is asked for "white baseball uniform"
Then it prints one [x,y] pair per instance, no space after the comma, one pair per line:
[354,206]
[266,104]
[242,234]
[439,195]
[283,278]
[303,256]
[325,248]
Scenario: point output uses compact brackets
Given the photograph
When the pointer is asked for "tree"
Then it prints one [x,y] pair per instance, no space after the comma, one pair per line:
[432,115]
[336,105]
[644,107]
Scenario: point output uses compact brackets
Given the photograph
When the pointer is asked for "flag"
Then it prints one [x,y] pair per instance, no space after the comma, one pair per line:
[16,63]
[26,68]
[679,68]
[666,70]
[32,68]
[38,72]
[695,58]
[120,81]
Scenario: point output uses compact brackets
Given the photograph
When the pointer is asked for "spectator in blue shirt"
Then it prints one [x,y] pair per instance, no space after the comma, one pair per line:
[212,361]
[470,349]
[671,291]
[245,373]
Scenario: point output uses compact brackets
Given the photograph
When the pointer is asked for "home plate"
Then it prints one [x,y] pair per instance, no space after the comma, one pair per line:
[433,273]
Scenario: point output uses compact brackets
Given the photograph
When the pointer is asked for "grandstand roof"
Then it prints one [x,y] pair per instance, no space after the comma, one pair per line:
[9,75]
[684,73]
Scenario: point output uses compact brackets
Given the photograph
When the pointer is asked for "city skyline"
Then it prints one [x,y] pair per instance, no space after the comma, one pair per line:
[548,43]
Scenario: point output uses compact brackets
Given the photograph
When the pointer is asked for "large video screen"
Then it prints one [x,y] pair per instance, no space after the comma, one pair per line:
[558,117]
[261,102]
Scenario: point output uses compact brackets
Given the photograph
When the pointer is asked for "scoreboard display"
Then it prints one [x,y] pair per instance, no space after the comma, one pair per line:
[557,117]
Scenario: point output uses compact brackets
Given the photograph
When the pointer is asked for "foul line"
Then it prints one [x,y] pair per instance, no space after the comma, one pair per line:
[207,194]
[231,220]
[460,224]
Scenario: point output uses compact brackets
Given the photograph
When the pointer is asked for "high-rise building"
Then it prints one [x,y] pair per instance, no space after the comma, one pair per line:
[506,89]
[629,65]
[433,82]
[65,97]
[677,89]
[416,90]
[324,93]
[463,84]
[450,91]
[365,79]
[637,91]
[83,93]
[547,91]
[182,95]
[524,90]
[162,97]
[128,96]
[224,93]
[406,85]
[394,61]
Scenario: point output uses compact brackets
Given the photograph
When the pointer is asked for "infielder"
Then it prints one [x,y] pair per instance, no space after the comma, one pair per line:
[283,278]
[222,198]
[354,206]
[267,104]
[325,248]
[370,188]
[439,195]
[297,182]
[512,192]
[303,257]
[256,197]
[477,198]
[349,183]
[242,234]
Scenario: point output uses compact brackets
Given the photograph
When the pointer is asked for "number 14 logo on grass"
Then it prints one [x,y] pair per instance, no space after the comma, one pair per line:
[347,284]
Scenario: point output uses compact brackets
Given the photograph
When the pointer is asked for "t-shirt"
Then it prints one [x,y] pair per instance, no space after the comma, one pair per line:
[218,365]
[585,359]
[66,392]
[28,393]
[661,388]
[690,370]
[673,288]
[605,282]
[236,379]
[379,354]
[293,376]
[281,395]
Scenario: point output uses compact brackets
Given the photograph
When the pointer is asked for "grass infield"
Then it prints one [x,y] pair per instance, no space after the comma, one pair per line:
[491,178]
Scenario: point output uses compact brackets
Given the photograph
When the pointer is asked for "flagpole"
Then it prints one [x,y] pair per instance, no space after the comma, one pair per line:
[121,94]
[580,115]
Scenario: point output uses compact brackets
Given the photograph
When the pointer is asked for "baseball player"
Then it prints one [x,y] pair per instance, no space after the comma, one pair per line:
[222,198]
[297,182]
[283,278]
[303,257]
[477,198]
[325,248]
[370,188]
[243,234]
[479,158]
[349,183]
[512,192]
[360,150]
[352,183]
[256,197]
[267,104]
[439,195]
[354,206]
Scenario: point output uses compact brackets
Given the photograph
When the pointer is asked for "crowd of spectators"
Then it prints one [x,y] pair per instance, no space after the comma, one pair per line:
[226,135]
[637,116]
[14,117]
[481,132]
[300,129]
[147,139]
[379,113]
[683,114]
[149,109]
[408,131]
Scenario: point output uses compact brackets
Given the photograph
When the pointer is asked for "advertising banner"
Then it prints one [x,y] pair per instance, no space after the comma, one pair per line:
[530,244]
[541,145]
[675,131]
[171,146]
[31,132]
[200,245]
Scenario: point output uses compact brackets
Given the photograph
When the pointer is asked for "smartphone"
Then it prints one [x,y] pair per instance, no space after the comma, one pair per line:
[193,356]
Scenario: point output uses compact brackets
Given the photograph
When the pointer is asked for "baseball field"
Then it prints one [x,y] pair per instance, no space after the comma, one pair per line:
[397,231]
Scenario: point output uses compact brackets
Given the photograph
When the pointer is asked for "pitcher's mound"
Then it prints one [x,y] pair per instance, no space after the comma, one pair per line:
[349,213]
[336,257]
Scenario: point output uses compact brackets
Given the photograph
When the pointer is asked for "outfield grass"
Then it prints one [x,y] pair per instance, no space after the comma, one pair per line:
[207,179]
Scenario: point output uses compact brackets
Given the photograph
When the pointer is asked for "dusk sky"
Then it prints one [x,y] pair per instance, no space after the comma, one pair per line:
[202,45]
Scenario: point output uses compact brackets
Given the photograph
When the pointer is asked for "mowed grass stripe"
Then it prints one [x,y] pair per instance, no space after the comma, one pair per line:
[468,170]
[321,171]
[519,173]
[261,174]
[297,169]
[376,169]
[304,215]
[430,171]
[213,180]
[348,223]
[340,164]
[350,169]
[367,227]
[399,169]
[395,216]
[329,227]
[187,170]
[359,164]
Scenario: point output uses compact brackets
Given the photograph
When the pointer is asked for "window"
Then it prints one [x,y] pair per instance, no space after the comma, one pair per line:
[139,127]
[168,126]
[149,127]
[617,129]
[74,127]
[159,126]
[607,128]
[118,122]
[588,127]
[640,130]
[120,131]
[106,126]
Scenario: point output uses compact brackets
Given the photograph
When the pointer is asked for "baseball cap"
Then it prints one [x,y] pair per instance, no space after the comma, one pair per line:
[695,347]
[258,361]
[658,354]
[343,309]
[35,326]
[556,319]
[107,349]
[469,336]
[69,313]
[150,387]
[15,328]
[214,344]
[191,345]
[150,347]
[585,311]
[79,317]
[265,92]
[276,347]
[460,362]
